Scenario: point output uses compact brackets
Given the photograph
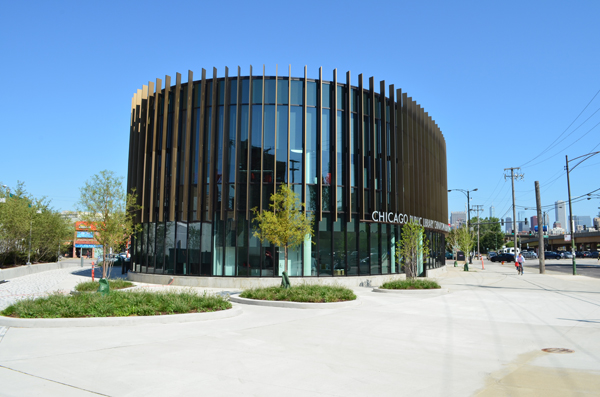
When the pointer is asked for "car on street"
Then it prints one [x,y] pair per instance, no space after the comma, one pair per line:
[529,255]
[579,254]
[551,255]
[594,254]
[448,255]
[491,254]
[566,255]
[586,254]
[503,258]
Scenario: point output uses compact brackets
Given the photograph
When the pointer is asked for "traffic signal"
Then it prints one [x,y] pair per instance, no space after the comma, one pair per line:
[502,222]
[512,232]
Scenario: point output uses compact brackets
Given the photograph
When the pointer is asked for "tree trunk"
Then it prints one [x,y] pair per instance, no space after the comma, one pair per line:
[285,266]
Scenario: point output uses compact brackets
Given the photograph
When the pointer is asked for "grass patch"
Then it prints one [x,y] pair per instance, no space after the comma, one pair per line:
[416,283]
[301,293]
[117,304]
[92,286]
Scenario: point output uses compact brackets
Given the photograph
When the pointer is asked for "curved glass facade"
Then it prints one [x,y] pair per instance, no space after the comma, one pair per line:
[204,153]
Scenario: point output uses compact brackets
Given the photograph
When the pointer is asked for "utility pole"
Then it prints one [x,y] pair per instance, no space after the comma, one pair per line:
[571,221]
[512,177]
[538,203]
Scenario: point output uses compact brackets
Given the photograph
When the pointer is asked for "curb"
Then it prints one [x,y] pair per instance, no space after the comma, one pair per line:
[295,305]
[432,291]
[118,321]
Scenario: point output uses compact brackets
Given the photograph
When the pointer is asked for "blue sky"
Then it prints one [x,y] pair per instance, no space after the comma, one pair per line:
[503,80]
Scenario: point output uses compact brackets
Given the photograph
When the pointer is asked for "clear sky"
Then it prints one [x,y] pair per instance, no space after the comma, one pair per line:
[505,81]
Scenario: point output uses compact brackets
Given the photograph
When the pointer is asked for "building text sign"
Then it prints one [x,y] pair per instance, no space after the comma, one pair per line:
[390,217]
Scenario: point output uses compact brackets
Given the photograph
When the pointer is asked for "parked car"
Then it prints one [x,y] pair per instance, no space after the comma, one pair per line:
[503,258]
[449,255]
[492,254]
[566,255]
[529,255]
[551,255]
[578,254]
[594,254]
[587,254]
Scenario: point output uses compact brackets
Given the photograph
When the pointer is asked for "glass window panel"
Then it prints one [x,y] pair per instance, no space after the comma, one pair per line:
[169,248]
[326,147]
[282,143]
[363,249]
[270,90]
[340,198]
[326,95]
[325,258]
[221,93]
[232,142]
[205,249]
[326,198]
[220,112]
[367,103]
[297,92]
[311,94]
[256,139]
[375,258]
[218,247]
[229,246]
[282,92]
[197,94]
[354,98]
[385,250]
[243,268]
[254,257]
[296,144]
[341,171]
[160,248]
[269,144]
[339,247]
[340,97]
[245,91]
[353,148]
[151,247]
[183,97]
[233,91]
[257,87]
[311,145]
[181,266]
[313,197]
[208,97]
[352,236]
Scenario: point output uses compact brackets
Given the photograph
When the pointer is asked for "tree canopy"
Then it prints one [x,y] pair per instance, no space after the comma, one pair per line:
[412,246]
[24,218]
[286,225]
[104,204]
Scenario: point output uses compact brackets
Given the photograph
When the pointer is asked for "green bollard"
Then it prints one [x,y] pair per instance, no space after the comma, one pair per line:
[455,263]
[466,268]
[285,281]
[103,288]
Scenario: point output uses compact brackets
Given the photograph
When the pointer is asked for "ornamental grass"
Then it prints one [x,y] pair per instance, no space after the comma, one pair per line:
[414,283]
[301,293]
[117,304]
[92,286]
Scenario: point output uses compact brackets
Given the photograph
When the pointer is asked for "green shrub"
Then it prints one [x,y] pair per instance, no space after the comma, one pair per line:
[415,283]
[89,286]
[117,304]
[301,293]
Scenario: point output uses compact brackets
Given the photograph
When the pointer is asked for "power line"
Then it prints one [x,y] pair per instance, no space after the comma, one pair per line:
[566,129]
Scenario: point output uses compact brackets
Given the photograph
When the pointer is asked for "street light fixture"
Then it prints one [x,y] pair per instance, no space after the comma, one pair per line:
[466,193]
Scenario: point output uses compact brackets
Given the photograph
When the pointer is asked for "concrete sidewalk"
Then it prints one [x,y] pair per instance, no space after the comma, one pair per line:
[482,338]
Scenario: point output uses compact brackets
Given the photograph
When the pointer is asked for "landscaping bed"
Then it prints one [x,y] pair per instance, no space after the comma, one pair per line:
[92,286]
[117,304]
[306,293]
[417,283]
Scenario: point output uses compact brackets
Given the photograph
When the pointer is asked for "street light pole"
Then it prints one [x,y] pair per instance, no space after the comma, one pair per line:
[466,193]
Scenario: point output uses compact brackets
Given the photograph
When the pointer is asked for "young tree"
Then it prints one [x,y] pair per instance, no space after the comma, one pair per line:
[452,242]
[286,225]
[106,206]
[413,244]
[466,239]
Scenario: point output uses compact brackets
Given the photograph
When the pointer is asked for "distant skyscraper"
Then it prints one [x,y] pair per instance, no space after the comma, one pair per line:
[458,218]
[560,214]
[492,212]
[508,225]
[582,221]
[533,222]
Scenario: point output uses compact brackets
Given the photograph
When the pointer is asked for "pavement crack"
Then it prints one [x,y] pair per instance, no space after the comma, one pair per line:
[53,381]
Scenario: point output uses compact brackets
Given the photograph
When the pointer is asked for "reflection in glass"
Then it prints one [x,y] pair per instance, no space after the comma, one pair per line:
[282,92]
[160,248]
[311,94]
[269,144]
[270,91]
[326,146]
[296,144]
[218,247]
[170,248]
[339,247]
[325,254]
[326,95]
[257,87]
[311,145]
[297,92]
[282,143]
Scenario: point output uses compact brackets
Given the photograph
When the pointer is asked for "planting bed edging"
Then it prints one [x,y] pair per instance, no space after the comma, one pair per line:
[295,305]
[118,321]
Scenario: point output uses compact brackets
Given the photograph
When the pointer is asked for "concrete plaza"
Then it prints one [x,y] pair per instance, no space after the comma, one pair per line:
[484,338]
